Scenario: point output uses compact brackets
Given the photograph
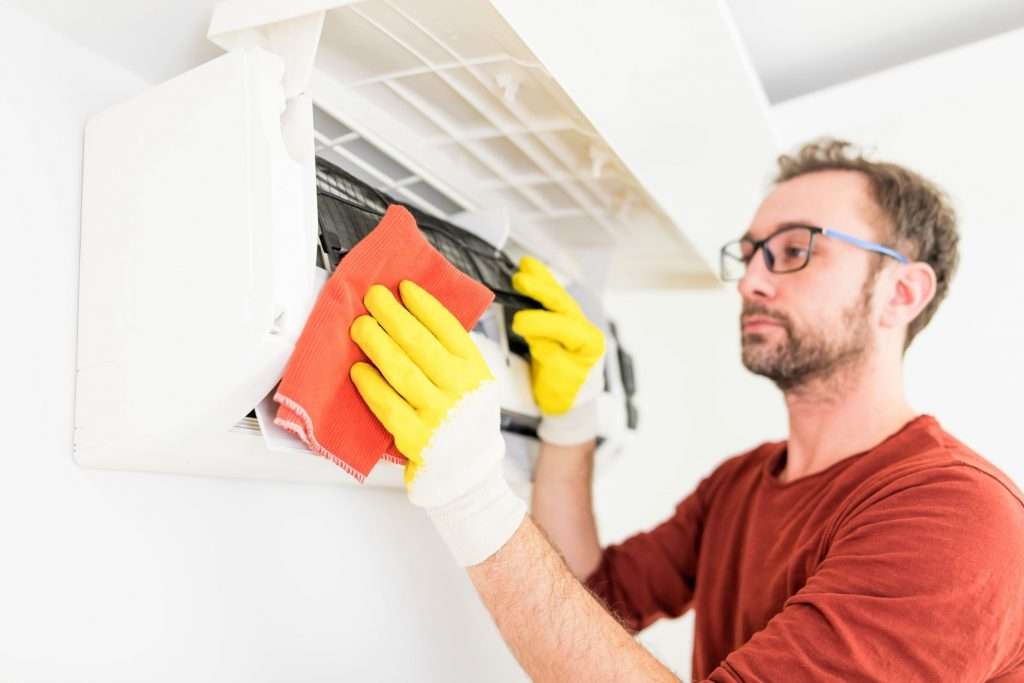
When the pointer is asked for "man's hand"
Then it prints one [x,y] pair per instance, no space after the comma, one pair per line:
[566,357]
[567,376]
[432,390]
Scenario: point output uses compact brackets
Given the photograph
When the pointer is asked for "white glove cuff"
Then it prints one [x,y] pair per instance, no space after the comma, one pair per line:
[478,523]
[577,426]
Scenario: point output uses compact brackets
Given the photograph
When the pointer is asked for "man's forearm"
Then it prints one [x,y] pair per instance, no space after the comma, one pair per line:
[562,505]
[553,625]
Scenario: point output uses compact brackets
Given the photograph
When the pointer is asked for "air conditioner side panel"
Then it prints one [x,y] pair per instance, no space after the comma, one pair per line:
[176,301]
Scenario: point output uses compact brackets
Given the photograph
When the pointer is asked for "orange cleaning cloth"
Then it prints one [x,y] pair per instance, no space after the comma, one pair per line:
[316,397]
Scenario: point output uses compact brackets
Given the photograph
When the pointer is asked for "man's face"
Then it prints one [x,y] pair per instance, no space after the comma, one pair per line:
[808,324]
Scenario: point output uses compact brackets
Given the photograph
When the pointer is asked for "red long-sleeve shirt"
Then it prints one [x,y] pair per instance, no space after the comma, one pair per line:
[901,563]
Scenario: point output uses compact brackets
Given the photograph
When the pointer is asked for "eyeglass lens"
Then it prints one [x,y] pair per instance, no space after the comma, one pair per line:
[784,252]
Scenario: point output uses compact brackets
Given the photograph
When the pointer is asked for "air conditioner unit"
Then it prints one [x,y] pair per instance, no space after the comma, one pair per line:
[200,231]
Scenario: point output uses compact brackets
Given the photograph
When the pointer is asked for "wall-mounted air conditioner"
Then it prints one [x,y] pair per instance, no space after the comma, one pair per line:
[200,238]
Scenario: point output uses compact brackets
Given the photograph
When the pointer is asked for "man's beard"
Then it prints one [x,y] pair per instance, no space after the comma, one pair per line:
[807,355]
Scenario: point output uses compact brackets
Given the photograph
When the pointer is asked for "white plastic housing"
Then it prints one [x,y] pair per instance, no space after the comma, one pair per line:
[197,258]
[199,217]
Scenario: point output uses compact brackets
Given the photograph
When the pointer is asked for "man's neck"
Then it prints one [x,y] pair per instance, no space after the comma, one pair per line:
[833,418]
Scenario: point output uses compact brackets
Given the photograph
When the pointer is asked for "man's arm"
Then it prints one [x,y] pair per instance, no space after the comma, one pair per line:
[554,627]
[562,504]
[431,389]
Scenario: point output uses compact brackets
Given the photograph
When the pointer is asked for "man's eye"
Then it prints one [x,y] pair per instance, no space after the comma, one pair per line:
[796,252]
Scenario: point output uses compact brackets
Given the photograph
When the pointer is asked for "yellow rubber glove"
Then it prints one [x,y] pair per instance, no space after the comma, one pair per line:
[566,356]
[432,390]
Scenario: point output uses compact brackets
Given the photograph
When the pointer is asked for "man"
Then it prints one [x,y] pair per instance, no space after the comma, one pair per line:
[870,545]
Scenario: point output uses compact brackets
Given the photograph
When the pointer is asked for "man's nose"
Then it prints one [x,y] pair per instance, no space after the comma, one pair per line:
[757,282]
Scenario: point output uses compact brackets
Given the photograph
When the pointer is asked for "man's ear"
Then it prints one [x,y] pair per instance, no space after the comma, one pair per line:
[912,287]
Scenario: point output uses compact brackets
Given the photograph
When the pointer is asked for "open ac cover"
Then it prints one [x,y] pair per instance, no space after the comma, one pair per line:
[200,234]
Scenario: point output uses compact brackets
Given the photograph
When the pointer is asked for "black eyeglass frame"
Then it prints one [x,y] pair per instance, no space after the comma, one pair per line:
[815,231]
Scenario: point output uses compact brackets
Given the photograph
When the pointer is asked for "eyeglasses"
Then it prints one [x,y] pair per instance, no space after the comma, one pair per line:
[788,250]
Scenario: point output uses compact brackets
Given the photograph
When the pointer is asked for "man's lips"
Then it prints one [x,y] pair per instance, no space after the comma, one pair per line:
[758,321]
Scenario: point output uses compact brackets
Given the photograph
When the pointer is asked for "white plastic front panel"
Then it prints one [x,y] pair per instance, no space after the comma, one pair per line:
[196,259]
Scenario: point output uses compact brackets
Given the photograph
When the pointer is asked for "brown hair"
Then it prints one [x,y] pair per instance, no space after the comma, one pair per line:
[919,219]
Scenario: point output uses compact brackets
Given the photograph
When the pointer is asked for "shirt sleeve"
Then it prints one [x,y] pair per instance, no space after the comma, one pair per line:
[922,582]
[652,574]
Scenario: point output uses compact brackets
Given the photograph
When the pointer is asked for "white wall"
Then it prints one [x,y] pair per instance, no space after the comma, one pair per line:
[109,576]
[957,118]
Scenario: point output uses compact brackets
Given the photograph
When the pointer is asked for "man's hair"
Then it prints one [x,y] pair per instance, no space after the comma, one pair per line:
[917,217]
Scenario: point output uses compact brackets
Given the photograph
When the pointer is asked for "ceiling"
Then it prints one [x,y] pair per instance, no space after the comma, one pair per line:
[800,46]
[796,46]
